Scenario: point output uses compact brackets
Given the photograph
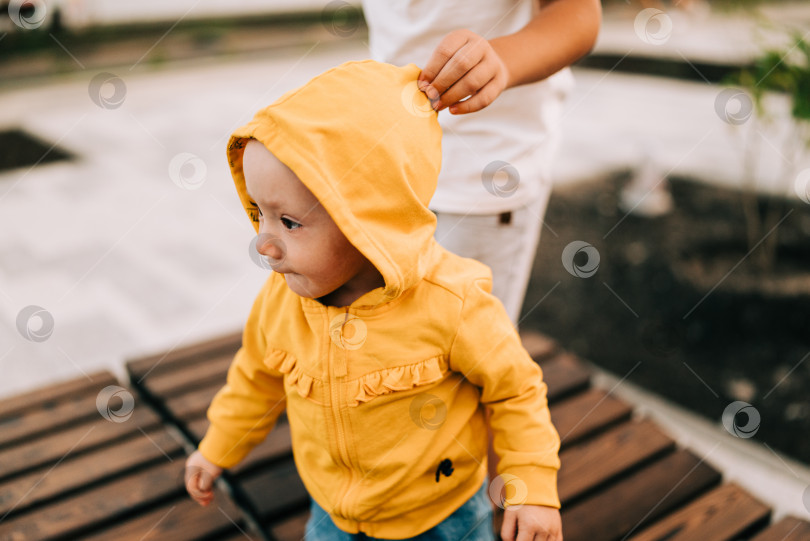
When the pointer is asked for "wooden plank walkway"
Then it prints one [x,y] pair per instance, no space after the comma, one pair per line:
[96,459]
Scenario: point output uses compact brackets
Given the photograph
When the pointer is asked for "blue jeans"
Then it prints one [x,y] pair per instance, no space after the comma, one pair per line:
[470,522]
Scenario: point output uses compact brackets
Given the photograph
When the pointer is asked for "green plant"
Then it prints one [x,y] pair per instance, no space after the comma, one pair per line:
[785,71]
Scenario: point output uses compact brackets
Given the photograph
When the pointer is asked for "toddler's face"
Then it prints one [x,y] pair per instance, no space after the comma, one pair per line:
[299,238]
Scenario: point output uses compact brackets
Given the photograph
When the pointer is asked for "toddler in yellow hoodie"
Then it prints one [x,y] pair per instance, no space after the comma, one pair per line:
[384,349]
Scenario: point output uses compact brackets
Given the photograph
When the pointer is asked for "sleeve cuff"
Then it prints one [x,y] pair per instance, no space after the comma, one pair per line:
[220,448]
[529,485]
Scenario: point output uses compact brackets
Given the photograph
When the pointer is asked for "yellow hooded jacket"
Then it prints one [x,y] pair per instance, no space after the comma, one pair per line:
[385,398]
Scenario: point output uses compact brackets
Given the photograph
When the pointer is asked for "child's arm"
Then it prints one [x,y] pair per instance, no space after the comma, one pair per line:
[244,411]
[488,352]
[562,32]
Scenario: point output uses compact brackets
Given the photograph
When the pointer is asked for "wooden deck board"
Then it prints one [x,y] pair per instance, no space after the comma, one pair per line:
[275,492]
[69,472]
[538,345]
[630,503]
[194,354]
[565,376]
[193,403]
[586,413]
[598,461]
[45,397]
[180,519]
[47,419]
[96,505]
[74,473]
[76,439]
[190,377]
[724,514]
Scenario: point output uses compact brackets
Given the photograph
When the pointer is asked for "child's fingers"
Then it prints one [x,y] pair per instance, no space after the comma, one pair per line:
[509,526]
[443,52]
[457,68]
[454,57]
[477,101]
[199,484]
[467,85]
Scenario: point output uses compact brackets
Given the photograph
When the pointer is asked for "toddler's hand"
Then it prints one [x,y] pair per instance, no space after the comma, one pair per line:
[531,522]
[463,64]
[200,477]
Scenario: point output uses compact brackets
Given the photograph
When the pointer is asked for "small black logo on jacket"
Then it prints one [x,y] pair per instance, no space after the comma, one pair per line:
[445,467]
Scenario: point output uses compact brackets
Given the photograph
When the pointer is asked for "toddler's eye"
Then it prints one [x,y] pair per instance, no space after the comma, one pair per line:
[289,224]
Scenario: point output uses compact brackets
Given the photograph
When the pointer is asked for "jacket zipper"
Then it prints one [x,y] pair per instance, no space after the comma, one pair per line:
[343,452]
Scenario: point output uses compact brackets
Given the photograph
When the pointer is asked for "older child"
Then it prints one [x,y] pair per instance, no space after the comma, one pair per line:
[384,348]
[510,58]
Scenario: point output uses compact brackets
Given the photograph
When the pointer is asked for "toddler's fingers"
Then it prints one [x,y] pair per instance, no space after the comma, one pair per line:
[509,526]
[199,484]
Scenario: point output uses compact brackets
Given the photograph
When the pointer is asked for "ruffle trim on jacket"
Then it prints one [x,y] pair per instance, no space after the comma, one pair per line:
[398,378]
[365,388]
[294,375]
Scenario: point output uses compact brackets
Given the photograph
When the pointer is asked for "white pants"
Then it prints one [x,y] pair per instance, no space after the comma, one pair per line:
[507,248]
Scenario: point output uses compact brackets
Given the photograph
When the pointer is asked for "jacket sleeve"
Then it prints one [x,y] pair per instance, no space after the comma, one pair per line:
[245,410]
[488,352]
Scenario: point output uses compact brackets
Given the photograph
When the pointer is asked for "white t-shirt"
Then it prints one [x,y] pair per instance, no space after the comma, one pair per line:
[519,128]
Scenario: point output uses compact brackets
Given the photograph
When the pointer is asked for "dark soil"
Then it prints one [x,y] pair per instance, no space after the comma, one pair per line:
[666,310]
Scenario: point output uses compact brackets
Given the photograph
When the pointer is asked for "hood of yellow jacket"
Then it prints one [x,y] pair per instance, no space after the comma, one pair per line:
[366,142]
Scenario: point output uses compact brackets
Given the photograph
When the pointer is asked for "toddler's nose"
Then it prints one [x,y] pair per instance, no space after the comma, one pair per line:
[271,247]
